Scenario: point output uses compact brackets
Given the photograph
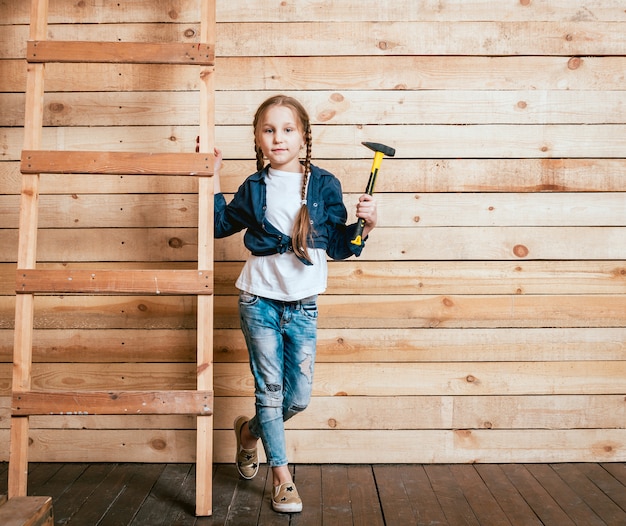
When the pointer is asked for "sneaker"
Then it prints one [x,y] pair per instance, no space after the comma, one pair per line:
[247,460]
[285,498]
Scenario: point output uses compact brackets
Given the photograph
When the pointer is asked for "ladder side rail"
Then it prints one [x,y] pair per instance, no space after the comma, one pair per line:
[26,258]
[204,424]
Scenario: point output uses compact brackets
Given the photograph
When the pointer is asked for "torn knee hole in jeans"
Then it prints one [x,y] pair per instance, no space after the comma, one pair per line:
[273,388]
[306,367]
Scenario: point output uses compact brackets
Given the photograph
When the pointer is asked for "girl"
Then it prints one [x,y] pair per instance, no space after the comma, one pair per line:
[294,215]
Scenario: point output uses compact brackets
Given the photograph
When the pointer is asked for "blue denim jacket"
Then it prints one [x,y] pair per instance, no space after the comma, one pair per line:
[326,209]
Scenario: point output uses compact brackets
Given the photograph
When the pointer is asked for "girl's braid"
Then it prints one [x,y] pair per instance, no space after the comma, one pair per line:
[259,158]
[307,160]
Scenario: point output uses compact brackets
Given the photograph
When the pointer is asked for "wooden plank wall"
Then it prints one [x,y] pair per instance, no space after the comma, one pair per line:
[486,320]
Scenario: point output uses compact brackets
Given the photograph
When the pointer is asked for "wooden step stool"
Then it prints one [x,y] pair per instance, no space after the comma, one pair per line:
[26,511]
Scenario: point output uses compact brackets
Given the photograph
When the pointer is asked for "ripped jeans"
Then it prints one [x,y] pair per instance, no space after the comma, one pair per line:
[281,339]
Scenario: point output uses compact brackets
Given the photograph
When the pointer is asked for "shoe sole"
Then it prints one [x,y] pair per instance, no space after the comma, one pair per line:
[287,508]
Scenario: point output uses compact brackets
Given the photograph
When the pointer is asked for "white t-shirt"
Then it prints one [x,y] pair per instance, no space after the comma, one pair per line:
[282,276]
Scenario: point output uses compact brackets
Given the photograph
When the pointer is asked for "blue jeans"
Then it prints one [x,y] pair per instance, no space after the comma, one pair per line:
[281,338]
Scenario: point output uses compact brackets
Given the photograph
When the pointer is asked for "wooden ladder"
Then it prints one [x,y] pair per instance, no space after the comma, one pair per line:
[30,280]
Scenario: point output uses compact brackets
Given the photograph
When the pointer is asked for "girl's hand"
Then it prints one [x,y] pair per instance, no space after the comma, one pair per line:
[366,209]
[217,165]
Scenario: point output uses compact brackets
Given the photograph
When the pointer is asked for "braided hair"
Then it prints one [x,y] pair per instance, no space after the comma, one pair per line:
[302,226]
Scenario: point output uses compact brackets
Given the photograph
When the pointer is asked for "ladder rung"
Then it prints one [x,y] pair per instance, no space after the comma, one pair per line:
[157,281]
[120,52]
[181,402]
[117,163]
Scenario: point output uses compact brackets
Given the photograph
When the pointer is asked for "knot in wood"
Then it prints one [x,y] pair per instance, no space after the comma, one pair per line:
[56,107]
[326,115]
[175,242]
[159,444]
[520,251]
[574,63]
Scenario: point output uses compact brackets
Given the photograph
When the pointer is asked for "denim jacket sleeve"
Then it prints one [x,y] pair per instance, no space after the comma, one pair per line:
[247,211]
[329,215]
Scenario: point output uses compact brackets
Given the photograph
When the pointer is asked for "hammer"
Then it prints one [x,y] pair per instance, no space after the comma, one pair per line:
[380,151]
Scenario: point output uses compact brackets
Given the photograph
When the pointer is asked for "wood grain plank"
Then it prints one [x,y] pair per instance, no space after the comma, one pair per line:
[127,488]
[86,484]
[425,141]
[338,312]
[112,403]
[337,510]
[330,446]
[363,490]
[356,276]
[166,282]
[163,503]
[588,491]
[506,494]
[354,37]
[248,496]
[483,504]
[418,412]
[572,504]
[407,210]
[609,478]
[419,10]
[308,478]
[450,496]
[340,73]
[421,495]
[238,10]
[438,175]
[542,503]
[427,38]
[495,141]
[385,244]
[334,345]
[46,161]
[149,108]
[125,52]
[395,503]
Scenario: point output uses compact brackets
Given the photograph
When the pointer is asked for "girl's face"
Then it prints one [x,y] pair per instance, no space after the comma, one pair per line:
[280,137]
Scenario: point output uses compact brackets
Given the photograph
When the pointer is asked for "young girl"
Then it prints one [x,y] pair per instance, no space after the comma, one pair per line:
[294,215]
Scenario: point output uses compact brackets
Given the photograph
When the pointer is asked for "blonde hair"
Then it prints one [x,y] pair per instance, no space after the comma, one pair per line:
[302,226]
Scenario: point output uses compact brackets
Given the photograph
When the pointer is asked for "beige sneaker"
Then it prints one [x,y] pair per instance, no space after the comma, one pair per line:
[247,460]
[285,498]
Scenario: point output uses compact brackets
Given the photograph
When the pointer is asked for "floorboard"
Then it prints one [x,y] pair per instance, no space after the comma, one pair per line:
[125,494]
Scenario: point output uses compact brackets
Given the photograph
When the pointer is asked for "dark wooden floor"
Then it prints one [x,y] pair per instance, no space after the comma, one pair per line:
[369,495]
